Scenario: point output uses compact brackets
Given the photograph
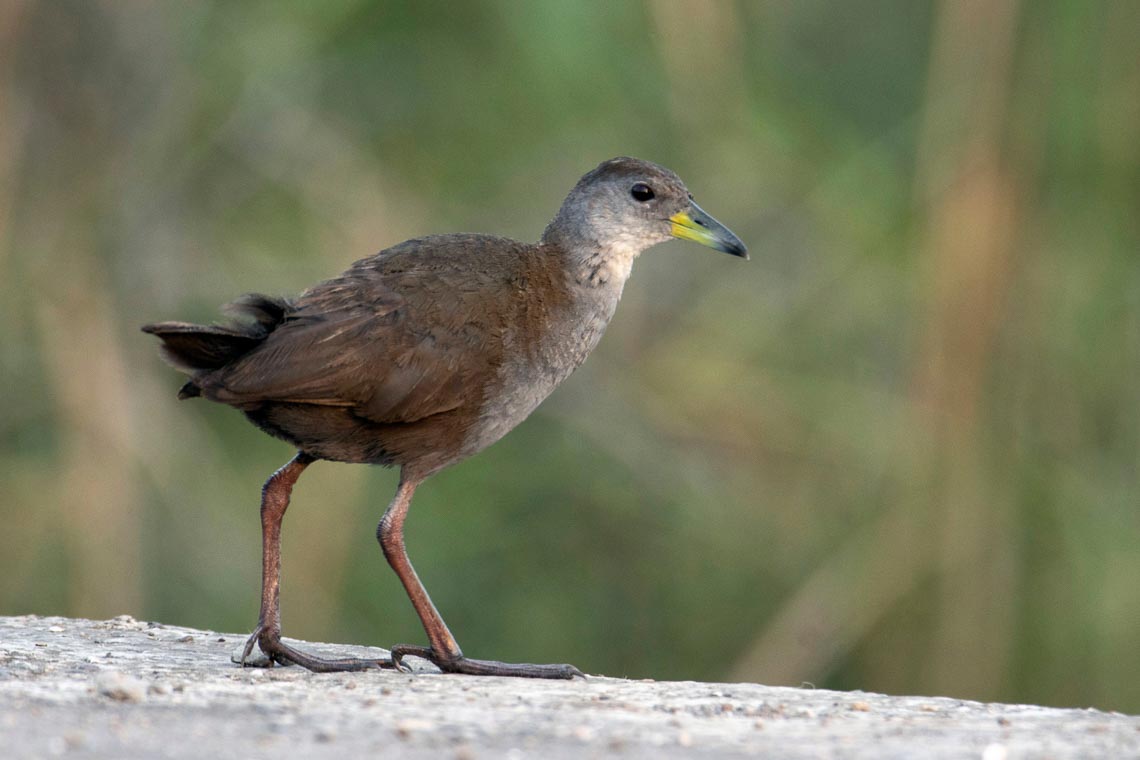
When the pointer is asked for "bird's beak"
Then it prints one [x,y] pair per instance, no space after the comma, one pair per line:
[694,224]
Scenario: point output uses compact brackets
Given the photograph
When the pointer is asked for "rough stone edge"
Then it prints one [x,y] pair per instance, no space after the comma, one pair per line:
[123,687]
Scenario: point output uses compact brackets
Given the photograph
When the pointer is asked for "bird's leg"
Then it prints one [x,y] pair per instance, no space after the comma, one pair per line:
[274,501]
[443,649]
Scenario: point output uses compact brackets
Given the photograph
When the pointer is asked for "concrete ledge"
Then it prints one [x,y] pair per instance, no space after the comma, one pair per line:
[124,688]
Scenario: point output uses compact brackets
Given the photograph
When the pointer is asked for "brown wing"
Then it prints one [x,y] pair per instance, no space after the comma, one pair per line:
[413,331]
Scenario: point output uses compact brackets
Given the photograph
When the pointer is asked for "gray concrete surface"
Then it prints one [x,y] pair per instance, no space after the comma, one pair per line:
[124,688]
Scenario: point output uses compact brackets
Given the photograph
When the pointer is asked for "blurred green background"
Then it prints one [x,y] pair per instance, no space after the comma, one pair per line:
[898,451]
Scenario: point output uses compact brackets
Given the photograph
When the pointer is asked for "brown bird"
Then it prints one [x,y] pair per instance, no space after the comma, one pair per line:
[424,354]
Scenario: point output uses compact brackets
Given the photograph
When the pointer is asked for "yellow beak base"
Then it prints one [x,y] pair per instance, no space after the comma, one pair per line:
[694,224]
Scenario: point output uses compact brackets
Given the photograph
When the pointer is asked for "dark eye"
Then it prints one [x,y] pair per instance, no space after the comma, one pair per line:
[641,192]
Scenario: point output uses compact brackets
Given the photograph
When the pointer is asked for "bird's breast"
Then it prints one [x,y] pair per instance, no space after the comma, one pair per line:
[541,349]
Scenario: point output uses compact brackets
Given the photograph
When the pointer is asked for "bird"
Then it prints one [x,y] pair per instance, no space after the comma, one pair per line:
[424,354]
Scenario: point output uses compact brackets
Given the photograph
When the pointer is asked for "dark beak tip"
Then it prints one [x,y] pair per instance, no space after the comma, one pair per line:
[737,249]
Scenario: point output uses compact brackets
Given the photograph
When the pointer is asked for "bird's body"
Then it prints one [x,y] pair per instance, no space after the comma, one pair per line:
[420,355]
[428,352]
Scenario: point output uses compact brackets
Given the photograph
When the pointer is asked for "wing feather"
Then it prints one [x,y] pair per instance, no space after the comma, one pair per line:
[394,338]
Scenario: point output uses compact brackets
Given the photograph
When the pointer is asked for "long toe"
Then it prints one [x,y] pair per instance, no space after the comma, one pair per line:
[516,669]
[281,653]
[471,667]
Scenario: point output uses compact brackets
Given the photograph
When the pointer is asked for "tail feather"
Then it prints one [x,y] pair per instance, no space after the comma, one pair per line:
[266,311]
[193,348]
[201,348]
[189,389]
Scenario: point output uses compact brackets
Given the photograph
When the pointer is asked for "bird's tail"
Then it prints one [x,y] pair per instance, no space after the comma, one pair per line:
[194,349]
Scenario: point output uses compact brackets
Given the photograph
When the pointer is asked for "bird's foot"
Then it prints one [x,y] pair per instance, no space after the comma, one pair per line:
[281,653]
[471,667]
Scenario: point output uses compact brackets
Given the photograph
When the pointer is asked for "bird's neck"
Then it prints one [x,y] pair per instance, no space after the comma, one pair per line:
[594,265]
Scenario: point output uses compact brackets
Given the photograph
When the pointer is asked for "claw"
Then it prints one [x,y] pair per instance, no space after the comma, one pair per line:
[248,650]
[263,658]
[400,651]
[398,664]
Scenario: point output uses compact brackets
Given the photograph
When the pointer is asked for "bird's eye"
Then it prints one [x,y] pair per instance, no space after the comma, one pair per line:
[641,192]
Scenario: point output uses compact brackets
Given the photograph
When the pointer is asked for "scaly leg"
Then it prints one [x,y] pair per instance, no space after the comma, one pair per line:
[443,649]
[274,501]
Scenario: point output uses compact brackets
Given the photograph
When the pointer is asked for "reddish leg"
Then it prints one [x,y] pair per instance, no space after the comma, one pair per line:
[274,501]
[443,649]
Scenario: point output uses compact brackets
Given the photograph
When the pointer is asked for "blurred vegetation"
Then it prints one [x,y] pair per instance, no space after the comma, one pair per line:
[898,451]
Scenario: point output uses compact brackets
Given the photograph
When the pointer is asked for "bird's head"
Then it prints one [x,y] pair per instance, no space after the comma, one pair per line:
[626,205]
